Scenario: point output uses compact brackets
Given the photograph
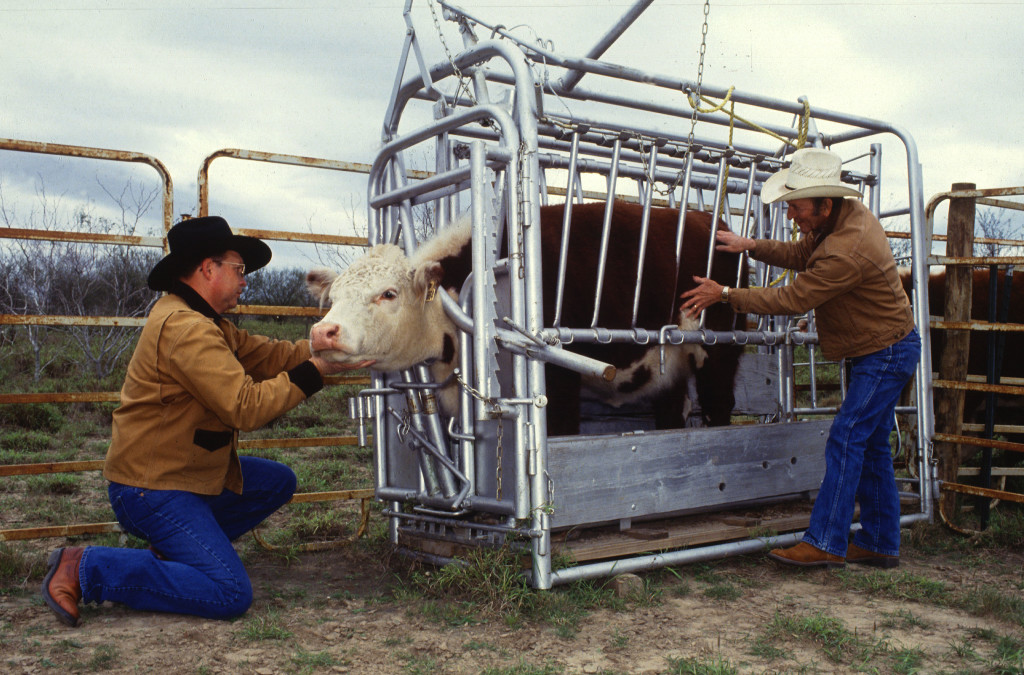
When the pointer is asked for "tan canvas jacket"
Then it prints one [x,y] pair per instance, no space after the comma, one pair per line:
[850,280]
[193,382]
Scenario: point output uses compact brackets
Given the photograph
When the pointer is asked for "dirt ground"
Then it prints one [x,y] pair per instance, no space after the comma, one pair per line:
[343,611]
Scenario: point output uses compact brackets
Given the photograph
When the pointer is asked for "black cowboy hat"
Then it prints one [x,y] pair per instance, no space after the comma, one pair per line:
[194,239]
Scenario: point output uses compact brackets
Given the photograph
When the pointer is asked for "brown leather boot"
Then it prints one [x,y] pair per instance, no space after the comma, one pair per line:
[805,555]
[61,588]
[863,556]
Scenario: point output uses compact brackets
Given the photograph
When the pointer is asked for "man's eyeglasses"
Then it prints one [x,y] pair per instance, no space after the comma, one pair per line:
[239,266]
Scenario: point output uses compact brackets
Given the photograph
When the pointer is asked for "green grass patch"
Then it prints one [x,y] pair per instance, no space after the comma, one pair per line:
[18,566]
[988,601]
[260,627]
[22,442]
[711,665]
[524,668]
[902,618]
[307,662]
[897,586]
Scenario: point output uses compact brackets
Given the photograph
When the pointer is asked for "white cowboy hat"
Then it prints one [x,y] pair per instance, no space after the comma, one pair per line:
[812,172]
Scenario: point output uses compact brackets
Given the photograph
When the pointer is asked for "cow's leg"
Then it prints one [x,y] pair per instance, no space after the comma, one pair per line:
[715,382]
[673,405]
[563,401]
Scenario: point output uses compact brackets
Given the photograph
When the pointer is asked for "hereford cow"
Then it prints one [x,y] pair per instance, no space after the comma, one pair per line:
[380,311]
[977,362]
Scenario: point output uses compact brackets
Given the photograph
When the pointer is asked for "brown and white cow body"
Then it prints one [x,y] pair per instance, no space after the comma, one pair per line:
[380,311]
[977,361]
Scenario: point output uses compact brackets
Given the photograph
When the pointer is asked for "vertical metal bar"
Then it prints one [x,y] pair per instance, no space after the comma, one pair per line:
[745,222]
[398,179]
[467,425]
[606,229]
[645,224]
[716,212]
[684,204]
[482,331]
[875,190]
[529,373]
[745,230]
[435,432]
[428,469]
[563,253]
[380,433]
[812,373]
[784,354]
[442,162]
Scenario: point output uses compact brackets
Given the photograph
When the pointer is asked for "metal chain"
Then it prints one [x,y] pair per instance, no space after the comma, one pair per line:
[463,80]
[700,73]
[519,254]
[474,392]
[649,169]
[501,426]
[694,104]
[403,427]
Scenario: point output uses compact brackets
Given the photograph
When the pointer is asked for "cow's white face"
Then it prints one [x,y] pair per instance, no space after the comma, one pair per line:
[379,311]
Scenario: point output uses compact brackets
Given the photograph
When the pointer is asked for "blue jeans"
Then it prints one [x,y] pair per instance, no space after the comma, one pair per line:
[202,574]
[858,457]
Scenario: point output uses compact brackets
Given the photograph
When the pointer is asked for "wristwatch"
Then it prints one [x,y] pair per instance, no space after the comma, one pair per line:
[725,294]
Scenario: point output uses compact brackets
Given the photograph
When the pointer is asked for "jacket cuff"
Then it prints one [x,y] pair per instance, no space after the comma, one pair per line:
[306,377]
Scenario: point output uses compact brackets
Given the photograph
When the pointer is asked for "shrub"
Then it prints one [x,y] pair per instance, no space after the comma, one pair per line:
[25,441]
[35,416]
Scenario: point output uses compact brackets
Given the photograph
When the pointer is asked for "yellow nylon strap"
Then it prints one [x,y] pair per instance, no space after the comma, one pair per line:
[802,127]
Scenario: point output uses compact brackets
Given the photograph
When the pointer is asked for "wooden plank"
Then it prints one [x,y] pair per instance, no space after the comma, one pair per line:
[691,531]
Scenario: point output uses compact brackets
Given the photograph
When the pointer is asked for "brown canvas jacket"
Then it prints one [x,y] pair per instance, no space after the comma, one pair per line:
[194,381]
[850,280]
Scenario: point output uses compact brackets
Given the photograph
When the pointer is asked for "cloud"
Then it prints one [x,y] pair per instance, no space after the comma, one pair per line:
[180,80]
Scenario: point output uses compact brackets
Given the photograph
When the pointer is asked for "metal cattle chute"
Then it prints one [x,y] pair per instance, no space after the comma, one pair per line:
[502,126]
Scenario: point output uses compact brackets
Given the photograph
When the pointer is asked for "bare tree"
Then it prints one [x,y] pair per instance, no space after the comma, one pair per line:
[995,224]
[45,276]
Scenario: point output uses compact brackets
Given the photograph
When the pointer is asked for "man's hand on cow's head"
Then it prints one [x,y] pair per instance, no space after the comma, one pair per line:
[334,367]
[696,300]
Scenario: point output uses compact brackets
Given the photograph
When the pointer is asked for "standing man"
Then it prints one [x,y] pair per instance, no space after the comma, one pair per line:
[846,273]
[176,479]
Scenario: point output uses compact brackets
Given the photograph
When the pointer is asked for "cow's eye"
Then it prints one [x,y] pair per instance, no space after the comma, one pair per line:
[389,294]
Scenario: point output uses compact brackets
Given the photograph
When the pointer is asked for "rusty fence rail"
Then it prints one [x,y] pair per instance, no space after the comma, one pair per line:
[10,470]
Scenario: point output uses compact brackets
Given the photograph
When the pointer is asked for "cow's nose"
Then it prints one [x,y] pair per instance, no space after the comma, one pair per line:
[324,335]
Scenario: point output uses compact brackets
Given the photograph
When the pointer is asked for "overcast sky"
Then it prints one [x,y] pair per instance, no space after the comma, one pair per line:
[180,79]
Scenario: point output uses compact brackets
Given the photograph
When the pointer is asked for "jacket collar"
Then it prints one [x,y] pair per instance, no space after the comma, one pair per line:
[830,223]
[193,299]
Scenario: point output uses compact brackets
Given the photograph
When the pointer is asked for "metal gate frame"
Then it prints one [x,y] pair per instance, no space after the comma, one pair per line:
[509,145]
[362,495]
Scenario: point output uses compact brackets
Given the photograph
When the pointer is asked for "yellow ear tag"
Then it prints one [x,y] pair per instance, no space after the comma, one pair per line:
[431,291]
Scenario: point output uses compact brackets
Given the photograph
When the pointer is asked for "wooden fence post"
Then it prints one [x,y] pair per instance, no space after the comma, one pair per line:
[949,403]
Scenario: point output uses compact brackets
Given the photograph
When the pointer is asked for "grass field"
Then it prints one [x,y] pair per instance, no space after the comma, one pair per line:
[956,604]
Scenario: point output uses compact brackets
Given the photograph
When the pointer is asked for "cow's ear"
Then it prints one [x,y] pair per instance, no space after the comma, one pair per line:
[318,283]
[426,280]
